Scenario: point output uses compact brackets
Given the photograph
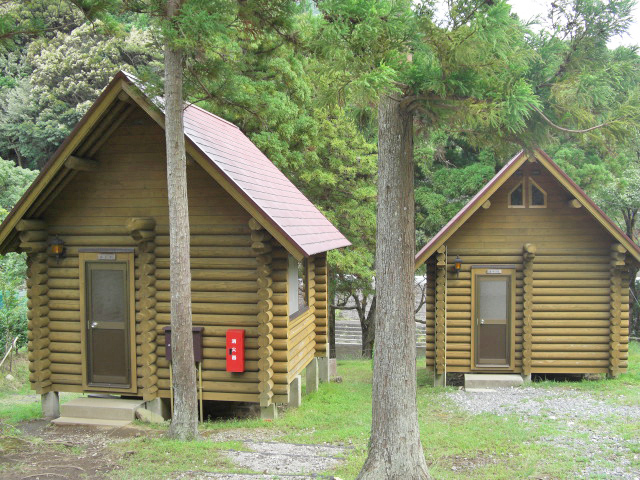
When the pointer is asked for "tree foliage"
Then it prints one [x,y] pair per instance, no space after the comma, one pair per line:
[13,305]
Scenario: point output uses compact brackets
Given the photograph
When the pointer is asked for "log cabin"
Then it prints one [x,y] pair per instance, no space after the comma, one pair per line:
[95,229]
[529,277]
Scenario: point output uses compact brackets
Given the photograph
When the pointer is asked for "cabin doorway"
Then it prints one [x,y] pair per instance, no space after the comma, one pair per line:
[493,313]
[107,317]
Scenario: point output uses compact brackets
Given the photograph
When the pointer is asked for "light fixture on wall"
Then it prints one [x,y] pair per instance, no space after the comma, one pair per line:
[57,248]
[457,264]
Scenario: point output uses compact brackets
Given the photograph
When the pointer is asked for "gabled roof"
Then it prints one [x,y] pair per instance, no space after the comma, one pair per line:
[499,179]
[226,154]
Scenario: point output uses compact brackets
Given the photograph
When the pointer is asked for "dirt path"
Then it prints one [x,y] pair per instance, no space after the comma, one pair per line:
[40,450]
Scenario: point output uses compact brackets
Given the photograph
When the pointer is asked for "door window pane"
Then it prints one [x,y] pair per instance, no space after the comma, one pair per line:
[108,296]
[493,302]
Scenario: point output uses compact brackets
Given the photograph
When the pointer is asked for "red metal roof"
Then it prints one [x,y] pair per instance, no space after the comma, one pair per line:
[502,176]
[260,181]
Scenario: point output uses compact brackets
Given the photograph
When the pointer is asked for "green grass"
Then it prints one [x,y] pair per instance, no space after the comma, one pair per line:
[14,404]
[151,458]
[18,402]
[457,444]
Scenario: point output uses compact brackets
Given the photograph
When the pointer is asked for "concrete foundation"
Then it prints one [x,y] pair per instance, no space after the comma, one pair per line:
[312,376]
[333,368]
[295,392]
[50,405]
[440,380]
[269,413]
[526,378]
[479,380]
[160,406]
[323,369]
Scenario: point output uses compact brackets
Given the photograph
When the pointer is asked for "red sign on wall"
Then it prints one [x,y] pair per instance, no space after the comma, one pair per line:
[235,350]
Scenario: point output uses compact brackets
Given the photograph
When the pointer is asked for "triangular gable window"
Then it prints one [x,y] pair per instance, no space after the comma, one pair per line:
[516,196]
[537,196]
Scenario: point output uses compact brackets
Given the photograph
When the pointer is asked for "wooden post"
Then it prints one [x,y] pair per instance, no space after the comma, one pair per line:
[142,230]
[441,314]
[261,247]
[33,240]
[528,255]
[617,261]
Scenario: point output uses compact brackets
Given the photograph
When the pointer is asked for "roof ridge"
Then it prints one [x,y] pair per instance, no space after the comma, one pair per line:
[190,105]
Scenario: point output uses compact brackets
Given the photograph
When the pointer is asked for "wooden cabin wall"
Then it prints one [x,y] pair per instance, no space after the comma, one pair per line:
[320,296]
[281,329]
[302,328]
[571,311]
[93,210]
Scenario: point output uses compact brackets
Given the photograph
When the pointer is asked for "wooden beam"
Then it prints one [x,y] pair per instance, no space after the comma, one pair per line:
[26,225]
[574,203]
[110,129]
[82,164]
[71,144]
[486,204]
[97,133]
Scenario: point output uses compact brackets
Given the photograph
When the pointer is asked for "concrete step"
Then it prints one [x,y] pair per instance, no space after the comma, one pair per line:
[101,408]
[90,421]
[477,381]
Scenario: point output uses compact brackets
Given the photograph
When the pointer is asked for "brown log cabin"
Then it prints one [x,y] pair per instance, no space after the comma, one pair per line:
[95,228]
[529,277]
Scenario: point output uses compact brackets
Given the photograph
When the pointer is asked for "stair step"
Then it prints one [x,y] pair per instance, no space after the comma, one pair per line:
[96,408]
[489,381]
[90,421]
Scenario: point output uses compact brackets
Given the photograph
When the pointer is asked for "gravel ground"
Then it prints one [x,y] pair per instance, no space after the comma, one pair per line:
[286,458]
[586,423]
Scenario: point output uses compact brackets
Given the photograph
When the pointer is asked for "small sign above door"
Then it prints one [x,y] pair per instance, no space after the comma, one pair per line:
[494,271]
[106,256]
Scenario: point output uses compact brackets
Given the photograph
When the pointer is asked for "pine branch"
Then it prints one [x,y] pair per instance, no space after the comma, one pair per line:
[563,129]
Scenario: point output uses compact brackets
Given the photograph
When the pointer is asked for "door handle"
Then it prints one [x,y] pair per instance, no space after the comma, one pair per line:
[482,321]
[93,324]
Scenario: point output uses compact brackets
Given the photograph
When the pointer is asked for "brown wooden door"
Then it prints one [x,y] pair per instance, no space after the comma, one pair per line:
[107,324]
[493,320]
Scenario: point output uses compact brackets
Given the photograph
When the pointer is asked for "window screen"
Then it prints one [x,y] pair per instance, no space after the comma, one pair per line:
[108,296]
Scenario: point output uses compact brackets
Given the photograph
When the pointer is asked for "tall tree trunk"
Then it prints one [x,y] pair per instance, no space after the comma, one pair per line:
[332,331]
[395,451]
[184,425]
[368,326]
[630,215]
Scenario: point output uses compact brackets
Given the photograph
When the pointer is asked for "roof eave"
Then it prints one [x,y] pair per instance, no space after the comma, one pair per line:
[56,161]
[470,208]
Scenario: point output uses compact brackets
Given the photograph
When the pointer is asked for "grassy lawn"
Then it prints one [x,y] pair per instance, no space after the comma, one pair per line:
[457,444]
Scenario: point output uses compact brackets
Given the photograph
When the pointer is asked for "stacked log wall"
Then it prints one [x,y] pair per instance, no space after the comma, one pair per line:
[33,240]
[571,281]
[93,211]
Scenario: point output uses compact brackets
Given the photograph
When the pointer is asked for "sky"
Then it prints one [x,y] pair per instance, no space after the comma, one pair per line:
[527,9]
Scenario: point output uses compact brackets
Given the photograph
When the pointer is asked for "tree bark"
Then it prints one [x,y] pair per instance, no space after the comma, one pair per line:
[630,215]
[395,451]
[184,424]
[368,327]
